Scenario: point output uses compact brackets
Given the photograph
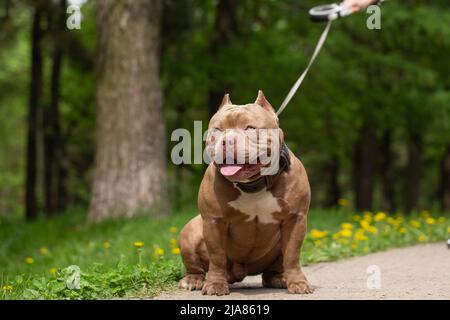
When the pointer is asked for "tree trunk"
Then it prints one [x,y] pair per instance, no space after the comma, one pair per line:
[387,178]
[334,191]
[445,180]
[413,171]
[62,177]
[365,167]
[6,10]
[130,166]
[33,114]
[51,123]
[225,28]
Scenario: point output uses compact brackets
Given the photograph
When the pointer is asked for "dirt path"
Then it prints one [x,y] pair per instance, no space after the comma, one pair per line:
[420,272]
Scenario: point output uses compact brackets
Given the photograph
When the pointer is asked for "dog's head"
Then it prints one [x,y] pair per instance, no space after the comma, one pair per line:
[244,140]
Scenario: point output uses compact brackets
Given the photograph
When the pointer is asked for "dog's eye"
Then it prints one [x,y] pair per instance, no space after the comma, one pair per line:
[250,128]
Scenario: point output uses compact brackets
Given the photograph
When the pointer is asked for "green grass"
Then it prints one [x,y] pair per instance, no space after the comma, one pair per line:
[34,257]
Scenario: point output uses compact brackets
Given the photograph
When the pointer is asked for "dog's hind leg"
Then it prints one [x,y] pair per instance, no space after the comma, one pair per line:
[273,276]
[194,255]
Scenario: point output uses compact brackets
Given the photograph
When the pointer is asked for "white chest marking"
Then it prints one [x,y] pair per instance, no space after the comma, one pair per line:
[260,204]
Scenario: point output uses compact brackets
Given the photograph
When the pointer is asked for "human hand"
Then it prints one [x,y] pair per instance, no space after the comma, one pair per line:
[358,5]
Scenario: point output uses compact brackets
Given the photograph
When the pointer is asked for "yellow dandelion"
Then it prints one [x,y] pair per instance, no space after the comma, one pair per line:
[107,245]
[176,250]
[343,202]
[448,229]
[138,244]
[53,270]
[344,241]
[159,251]
[360,236]
[372,229]
[336,236]
[318,243]
[430,221]
[347,226]
[402,230]
[173,229]
[364,224]
[368,218]
[7,288]
[380,216]
[346,233]
[29,260]
[43,251]
[173,242]
[416,224]
[422,238]
[318,234]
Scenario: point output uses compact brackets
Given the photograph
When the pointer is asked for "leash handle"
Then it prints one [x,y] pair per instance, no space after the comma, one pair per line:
[331,12]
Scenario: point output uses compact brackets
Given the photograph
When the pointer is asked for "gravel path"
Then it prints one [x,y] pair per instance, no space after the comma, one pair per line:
[419,272]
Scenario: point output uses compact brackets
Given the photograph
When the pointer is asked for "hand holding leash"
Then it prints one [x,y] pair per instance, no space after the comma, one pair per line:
[330,12]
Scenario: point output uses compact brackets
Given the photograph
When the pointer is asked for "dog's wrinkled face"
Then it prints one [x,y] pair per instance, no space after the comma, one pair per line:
[243,139]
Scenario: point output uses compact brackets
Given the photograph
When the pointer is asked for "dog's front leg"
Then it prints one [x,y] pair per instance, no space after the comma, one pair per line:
[293,231]
[214,231]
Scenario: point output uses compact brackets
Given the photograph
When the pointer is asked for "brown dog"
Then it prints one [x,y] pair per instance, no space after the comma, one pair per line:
[249,223]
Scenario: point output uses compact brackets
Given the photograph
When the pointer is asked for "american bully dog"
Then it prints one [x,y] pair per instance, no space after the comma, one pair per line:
[253,212]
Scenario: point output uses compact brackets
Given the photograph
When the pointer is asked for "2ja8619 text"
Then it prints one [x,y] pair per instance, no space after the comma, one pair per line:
[229,310]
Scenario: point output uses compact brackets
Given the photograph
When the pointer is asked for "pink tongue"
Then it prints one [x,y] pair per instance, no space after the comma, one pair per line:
[230,170]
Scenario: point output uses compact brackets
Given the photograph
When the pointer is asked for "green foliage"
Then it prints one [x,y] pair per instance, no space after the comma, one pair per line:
[99,283]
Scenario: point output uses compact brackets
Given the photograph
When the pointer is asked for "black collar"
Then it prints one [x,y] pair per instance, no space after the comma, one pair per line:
[268,181]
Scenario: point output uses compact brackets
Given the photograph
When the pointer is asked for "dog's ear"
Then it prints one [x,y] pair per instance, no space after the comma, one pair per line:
[262,101]
[226,100]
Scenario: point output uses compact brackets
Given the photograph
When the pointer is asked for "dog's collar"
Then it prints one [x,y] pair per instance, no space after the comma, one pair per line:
[268,180]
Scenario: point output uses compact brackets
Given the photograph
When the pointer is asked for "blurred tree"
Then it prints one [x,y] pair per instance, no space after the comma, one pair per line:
[386,171]
[445,180]
[34,110]
[225,29]
[54,186]
[365,167]
[130,168]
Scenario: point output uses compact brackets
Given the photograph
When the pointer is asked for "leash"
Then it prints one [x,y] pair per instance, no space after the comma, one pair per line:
[297,84]
[328,12]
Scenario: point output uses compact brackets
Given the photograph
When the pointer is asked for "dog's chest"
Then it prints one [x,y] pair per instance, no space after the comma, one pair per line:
[261,204]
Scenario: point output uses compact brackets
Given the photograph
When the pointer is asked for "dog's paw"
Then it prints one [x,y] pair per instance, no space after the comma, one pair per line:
[192,282]
[300,287]
[276,281]
[216,288]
